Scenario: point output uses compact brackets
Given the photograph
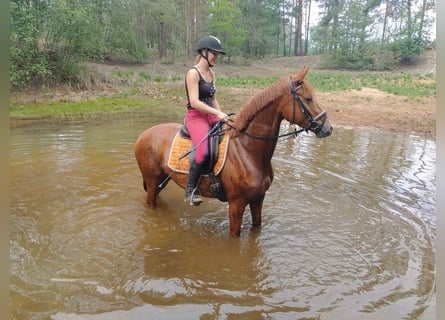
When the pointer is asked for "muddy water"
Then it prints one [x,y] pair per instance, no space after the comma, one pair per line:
[348,232]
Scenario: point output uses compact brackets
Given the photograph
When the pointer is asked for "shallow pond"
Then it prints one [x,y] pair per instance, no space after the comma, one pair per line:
[348,229]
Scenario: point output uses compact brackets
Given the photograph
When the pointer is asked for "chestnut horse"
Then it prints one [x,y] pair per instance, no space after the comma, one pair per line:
[247,173]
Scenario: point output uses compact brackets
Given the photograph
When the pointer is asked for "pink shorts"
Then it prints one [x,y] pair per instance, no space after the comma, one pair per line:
[198,125]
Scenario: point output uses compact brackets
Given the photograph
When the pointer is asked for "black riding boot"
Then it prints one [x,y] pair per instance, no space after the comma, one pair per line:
[192,183]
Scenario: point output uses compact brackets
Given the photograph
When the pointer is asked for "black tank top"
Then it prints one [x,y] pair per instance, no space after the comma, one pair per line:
[206,91]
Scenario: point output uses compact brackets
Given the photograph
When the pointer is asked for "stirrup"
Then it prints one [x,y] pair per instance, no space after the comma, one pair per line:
[193,199]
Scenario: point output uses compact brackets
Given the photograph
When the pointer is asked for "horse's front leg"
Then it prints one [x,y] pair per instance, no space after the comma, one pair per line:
[236,212]
[256,208]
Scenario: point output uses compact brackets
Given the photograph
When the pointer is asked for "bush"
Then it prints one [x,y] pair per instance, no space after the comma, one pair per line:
[27,68]
[405,50]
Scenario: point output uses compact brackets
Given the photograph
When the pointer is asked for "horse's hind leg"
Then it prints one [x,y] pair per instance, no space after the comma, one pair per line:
[153,187]
[152,193]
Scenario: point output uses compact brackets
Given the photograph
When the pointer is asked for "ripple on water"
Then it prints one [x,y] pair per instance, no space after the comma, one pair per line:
[348,229]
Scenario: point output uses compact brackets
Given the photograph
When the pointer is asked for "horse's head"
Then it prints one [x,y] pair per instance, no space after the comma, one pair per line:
[305,110]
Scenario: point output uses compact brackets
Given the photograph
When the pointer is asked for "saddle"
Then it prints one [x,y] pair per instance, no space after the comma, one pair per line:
[182,148]
[215,140]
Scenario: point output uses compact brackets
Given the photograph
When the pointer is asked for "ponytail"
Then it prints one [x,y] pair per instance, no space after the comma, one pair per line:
[197,58]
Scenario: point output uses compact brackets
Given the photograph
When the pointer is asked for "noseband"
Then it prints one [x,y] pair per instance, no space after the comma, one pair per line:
[315,124]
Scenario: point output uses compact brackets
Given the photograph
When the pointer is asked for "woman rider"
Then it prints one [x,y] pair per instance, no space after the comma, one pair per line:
[203,109]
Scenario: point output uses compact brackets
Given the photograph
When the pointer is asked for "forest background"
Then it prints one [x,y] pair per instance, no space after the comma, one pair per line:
[51,39]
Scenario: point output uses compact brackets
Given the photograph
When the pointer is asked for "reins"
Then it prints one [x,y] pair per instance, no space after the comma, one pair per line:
[254,136]
[313,122]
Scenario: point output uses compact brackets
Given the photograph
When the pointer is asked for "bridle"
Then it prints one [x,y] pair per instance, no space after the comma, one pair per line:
[315,123]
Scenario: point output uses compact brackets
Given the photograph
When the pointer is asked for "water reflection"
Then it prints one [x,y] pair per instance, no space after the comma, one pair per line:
[348,229]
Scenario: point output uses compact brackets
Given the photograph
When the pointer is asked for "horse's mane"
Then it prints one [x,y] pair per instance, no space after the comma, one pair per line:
[258,102]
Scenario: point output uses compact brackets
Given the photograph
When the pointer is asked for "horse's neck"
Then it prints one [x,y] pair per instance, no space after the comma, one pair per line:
[260,121]
[265,127]
[265,124]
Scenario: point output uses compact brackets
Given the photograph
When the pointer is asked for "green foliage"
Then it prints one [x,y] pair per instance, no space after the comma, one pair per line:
[406,49]
[349,60]
[28,64]
[48,38]
[347,33]
[262,28]
[225,23]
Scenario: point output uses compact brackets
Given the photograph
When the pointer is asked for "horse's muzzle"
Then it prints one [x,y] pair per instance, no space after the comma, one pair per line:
[325,130]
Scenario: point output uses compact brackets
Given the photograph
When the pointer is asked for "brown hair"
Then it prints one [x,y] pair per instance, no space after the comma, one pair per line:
[197,58]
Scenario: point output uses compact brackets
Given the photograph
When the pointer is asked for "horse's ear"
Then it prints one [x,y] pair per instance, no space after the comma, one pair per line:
[301,74]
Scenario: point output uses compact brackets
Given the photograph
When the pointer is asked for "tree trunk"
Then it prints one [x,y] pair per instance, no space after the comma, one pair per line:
[422,19]
[299,52]
[334,43]
[308,19]
[385,21]
[292,39]
[410,24]
[284,28]
[162,46]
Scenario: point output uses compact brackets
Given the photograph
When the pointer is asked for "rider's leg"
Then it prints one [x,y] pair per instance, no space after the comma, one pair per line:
[198,127]
[191,190]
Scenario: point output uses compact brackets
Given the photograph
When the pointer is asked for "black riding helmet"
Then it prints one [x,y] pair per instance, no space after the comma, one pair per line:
[211,43]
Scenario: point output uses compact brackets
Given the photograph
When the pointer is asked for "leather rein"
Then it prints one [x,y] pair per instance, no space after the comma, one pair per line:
[315,124]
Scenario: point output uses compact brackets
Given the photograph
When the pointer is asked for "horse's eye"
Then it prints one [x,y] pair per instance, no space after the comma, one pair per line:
[309,99]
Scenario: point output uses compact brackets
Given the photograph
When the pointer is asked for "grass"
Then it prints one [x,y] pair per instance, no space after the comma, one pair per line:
[246,81]
[94,106]
[133,77]
[411,86]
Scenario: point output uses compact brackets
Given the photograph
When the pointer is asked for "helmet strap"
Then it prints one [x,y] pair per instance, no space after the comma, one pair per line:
[206,57]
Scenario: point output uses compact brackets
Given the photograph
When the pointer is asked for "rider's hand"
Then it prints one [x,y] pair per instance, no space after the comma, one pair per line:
[223,116]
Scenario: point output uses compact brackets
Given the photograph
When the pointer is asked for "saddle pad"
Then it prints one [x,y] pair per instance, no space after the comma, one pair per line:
[182,145]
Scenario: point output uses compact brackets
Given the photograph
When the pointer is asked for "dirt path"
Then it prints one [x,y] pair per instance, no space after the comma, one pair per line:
[376,109]
[367,107]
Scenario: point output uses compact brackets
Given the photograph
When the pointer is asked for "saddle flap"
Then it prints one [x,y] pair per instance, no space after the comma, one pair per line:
[181,145]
